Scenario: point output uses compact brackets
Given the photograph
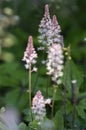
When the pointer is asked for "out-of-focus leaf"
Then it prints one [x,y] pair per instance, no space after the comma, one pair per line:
[8,57]
[12,97]
[23,100]
[8,11]
[69,107]
[34,125]
[67,76]
[9,41]
[11,75]
[47,125]
[76,74]
[82,96]
[58,95]
[2,127]
[59,122]
[22,126]
[40,84]
[71,72]
[81,108]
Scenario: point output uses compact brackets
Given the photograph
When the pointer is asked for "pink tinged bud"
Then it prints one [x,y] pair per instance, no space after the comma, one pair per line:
[55,23]
[46,9]
[54,20]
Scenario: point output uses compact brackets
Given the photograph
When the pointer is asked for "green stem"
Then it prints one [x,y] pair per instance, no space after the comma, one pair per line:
[30,92]
[74,101]
[0,49]
[53,100]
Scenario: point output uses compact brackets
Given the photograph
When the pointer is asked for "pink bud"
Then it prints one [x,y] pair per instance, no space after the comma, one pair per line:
[54,20]
[46,8]
[30,39]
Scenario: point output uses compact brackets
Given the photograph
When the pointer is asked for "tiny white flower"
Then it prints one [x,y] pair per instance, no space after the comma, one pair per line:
[74,81]
[40,48]
[26,66]
[59,81]
[43,61]
[34,69]
[48,101]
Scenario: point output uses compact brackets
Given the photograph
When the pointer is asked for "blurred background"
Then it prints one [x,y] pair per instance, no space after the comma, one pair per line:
[21,18]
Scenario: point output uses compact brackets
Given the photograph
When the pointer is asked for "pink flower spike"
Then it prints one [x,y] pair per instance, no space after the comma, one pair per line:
[30,54]
[38,107]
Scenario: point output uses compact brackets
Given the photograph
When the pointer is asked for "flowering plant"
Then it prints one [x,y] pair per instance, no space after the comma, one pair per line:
[53,99]
[58,60]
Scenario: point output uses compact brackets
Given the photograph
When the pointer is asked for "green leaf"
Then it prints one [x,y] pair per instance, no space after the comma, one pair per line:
[71,73]
[67,75]
[76,74]
[47,125]
[22,126]
[69,107]
[81,107]
[2,127]
[59,121]
[12,97]
[58,95]
[11,75]
[27,113]
[34,125]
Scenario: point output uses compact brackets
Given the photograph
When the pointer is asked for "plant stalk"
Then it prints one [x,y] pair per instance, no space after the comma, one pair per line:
[53,100]
[30,92]
[74,101]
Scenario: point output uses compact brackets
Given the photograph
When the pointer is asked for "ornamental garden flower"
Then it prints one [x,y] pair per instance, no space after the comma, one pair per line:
[45,27]
[38,106]
[54,34]
[30,54]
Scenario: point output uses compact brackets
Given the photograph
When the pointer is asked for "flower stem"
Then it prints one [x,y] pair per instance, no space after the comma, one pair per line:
[74,101]
[0,49]
[30,92]
[53,99]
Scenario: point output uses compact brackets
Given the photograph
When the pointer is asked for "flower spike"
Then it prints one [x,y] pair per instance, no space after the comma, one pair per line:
[30,54]
[55,36]
[55,63]
[38,106]
[45,27]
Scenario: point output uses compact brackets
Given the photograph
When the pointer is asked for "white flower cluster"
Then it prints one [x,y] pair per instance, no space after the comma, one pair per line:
[49,30]
[55,62]
[54,35]
[45,27]
[38,106]
[30,54]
